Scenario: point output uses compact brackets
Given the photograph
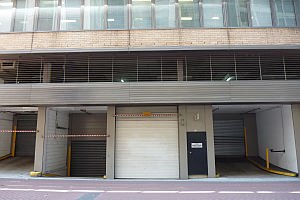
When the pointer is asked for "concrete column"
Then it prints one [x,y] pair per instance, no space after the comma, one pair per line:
[180,69]
[47,73]
[110,143]
[296,123]
[210,141]
[183,163]
[40,139]
[251,134]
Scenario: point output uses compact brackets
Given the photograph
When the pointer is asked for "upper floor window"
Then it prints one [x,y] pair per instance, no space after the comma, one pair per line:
[213,13]
[47,19]
[285,13]
[238,13]
[70,15]
[93,14]
[261,13]
[117,14]
[189,13]
[165,14]
[5,15]
[24,15]
[141,14]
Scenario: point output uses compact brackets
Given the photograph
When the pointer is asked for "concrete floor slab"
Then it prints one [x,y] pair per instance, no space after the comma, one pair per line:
[241,168]
[18,167]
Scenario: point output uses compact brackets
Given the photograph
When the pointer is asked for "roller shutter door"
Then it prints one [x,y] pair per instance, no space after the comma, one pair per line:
[229,138]
[25,145]
[147,147]
[88,158]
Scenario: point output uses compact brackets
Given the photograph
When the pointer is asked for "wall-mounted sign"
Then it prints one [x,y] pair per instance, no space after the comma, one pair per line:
[197,145]
[147,114]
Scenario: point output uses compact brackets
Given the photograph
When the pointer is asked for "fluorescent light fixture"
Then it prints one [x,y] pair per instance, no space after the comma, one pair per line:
[186,18]
[141,0]
[110,20]
[216,18]
[138,19]
[185,0]
[68,20]
[229,78]
[6,4]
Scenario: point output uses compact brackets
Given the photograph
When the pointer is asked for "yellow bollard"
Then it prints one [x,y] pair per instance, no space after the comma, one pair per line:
[13,144]
[246,142]
[267,158]
[69,160]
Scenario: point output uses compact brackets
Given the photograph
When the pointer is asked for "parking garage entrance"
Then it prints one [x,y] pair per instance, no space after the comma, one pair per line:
[17,141]
[245,136]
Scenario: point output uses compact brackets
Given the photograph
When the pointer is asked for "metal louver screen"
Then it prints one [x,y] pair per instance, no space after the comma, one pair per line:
[152,66]
[88,158]
[229,138]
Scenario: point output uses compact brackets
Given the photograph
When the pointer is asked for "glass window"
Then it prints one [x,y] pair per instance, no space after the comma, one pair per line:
[213,13]
[70,15]
[24,15]
[237,13]
[285,13]
[165,14]
[47,15]
[141,14]
[94,14]
[117,15]
[189,13]
[5,15]
[261,13]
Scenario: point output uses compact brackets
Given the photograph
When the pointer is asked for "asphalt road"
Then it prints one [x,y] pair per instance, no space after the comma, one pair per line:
[65,189]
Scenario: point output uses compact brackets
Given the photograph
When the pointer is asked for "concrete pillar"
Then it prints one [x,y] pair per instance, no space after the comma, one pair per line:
[195,118]
[183,163]
[251,134]
[296,123]
[180,69]
[110,143]
[208,117]
[40,139]
[47,73]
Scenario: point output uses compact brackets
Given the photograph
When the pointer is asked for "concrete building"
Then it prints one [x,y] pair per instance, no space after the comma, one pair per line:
[149,88]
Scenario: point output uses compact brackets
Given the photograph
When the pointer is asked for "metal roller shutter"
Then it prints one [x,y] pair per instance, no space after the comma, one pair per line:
[88,158]
[25,145]
[147,147]
[229,138]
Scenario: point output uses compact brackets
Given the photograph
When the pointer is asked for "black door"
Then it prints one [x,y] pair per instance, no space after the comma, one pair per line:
[197,153]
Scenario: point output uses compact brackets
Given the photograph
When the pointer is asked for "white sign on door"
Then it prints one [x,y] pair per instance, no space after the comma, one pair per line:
[197,145]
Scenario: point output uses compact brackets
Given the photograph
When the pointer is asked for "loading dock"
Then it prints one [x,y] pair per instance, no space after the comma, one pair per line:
[244,132]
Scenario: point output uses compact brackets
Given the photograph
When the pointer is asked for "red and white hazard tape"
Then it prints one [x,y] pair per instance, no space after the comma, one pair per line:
[18,131]
[74,136]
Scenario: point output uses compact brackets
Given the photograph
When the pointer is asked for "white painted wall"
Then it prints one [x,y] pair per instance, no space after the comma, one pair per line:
[6,123]
[56,148]
[275,130]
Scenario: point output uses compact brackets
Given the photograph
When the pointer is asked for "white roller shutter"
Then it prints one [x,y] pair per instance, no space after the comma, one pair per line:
[147,147]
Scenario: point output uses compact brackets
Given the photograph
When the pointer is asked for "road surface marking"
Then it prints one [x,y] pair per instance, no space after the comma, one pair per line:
[264,192]
[235,192]
[197,192]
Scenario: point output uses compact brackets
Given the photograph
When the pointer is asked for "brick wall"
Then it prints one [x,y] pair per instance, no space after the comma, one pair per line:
[149,38]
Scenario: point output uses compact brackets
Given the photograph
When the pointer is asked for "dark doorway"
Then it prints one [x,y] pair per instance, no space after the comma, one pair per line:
[197,153]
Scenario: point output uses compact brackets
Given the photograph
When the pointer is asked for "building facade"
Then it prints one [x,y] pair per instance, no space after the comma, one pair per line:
[149,88]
